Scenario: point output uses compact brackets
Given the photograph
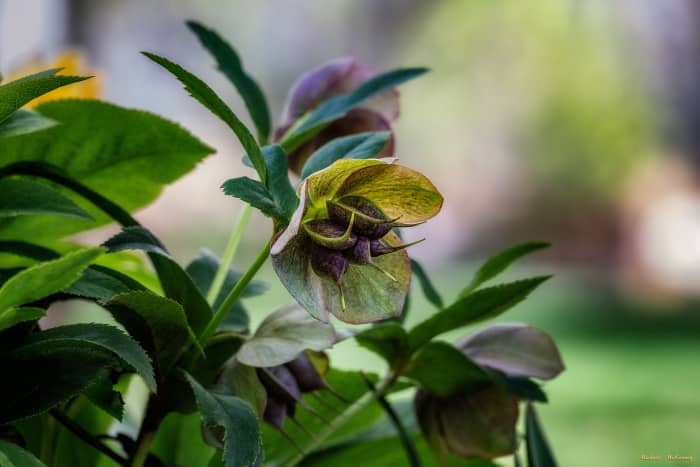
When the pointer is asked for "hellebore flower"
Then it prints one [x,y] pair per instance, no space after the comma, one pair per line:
[339,254]
[338,76]
[480,423]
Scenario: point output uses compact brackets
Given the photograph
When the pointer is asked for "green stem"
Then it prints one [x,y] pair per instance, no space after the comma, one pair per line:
[235,294]
[80,432]
[229,253]
[337,423]
[406,442]
[142,449]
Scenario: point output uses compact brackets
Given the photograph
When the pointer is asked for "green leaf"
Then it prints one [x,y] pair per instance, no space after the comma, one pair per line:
[514,349]
[283,335]
[176,283]
[357,146]
[178,441]
[443,370]
[28,250]
[242,381]
[337,106]
[26,197]
[429,290]
[389,340]
[11,316]
[209,99]
[477,306]
[46,278]
[157,323]
[278,184]
[125,155]
[254,193]
[229,63]
[23,122]
[15,94]
[12,455]
[242,438]
[499,263]
[102,336]
[538,452]
[102,283]
[101,393]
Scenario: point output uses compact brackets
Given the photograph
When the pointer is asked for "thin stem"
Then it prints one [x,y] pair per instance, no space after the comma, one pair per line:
[142,449]
[408,446]
[229,253]
[147,433]
[337,423]
[235,294]
[81,433]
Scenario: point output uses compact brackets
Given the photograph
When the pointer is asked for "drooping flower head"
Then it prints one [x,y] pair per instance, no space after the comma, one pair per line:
[339,253]
[336,77]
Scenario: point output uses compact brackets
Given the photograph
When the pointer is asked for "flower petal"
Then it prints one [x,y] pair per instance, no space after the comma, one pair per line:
[398,191]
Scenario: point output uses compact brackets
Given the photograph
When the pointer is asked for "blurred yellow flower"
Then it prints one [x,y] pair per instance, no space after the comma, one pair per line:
[71,62]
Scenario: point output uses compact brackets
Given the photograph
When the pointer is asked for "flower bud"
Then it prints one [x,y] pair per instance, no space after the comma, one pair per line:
[369,220]
[328,263]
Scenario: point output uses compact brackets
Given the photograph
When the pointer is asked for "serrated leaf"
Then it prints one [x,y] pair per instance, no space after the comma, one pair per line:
[127,156]
[429,290]
[337,106]
[278,184]
[21,197]
[477,306]
[157,323]
[538,452]
[102,336]
[499,263]
[389,340]
[283,335]
[23,122]
[102,283]
[11,316]
[46,278]
[254,193]
[357,146]
[176,283]
[12,455]
[515,349]
[443,370]
[209,99]
[15,94]
[229,63]
[242,437]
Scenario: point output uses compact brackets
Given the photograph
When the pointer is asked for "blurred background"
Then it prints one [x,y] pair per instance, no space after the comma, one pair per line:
[571,121]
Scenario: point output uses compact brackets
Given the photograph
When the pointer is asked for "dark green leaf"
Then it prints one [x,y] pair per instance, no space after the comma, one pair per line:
[538,451]
[28,250]
[102,394]
[12,455]
[429,290]
[102,283]
[209,99]
[337,106]
[389,340]
[242,381]
[24,121]
[125,155]
[178,441]
[101,336]
[229,63]
[278,183]
[242,438]
[443,370]
[157,323]
[499,263]
[357,146]
[176,283]
[15,94]
[254,193]
[524,388]
[26,197]
[477,306]
[46,278]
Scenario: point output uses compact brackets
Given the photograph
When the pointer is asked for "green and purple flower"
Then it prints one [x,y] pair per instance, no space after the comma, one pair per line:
[339,253]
